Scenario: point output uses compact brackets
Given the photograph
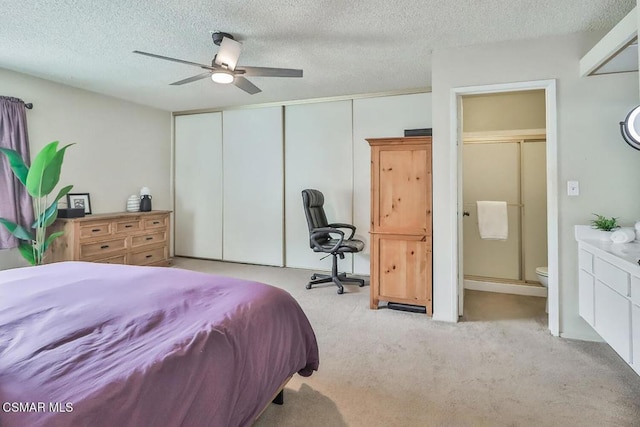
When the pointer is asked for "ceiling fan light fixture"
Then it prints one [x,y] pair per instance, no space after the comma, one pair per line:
[222,76]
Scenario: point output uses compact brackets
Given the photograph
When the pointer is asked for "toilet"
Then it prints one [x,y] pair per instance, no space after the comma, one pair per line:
[543,277]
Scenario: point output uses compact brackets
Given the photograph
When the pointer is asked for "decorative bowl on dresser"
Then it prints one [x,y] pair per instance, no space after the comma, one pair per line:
[134,238]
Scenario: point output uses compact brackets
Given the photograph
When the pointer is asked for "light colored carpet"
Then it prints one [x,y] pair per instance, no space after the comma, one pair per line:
[497,367]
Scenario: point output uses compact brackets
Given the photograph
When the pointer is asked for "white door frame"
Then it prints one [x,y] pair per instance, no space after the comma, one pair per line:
[455,105]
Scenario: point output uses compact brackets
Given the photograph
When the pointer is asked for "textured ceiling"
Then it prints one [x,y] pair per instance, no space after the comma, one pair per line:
[345,47]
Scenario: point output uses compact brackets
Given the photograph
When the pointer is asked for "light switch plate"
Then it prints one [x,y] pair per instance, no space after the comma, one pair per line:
[573,188]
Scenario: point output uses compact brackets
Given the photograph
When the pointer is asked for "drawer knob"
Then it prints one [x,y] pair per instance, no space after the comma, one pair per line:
[156,222]
[149,256]
[128,226]
[149,238]
[95,230]
[104,246]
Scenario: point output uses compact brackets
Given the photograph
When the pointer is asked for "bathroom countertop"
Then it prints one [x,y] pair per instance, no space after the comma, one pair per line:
[628,254]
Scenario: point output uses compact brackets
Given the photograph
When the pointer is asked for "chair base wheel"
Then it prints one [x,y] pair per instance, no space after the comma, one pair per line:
[308,285]
[313,277]
[340,291]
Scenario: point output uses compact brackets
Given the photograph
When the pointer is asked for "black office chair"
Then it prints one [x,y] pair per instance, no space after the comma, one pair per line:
[321,240]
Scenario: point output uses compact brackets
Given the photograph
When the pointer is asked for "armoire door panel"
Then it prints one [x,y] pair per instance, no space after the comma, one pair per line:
[403,203]
[404,267]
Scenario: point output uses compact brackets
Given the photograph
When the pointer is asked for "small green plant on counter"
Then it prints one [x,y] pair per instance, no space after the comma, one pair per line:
[605,224]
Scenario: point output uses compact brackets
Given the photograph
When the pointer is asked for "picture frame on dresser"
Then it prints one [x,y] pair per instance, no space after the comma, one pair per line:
[79,200]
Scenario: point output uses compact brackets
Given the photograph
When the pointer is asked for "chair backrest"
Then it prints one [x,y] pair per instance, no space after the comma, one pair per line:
[312,201]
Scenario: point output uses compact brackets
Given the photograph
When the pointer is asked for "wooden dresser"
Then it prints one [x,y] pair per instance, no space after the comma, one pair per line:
[401,238]
[134,238]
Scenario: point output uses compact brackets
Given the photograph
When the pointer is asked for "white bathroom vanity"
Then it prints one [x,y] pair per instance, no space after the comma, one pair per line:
[609,291]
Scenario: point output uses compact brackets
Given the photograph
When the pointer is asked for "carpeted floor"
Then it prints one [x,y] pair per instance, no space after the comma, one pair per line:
[499,366]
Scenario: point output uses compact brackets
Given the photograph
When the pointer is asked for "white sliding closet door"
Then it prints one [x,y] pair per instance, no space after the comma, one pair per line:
[253,186]
[198,185]
[318,154]
[379,117]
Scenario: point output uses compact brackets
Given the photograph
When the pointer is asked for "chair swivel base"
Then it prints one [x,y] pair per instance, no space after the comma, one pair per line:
[317,278]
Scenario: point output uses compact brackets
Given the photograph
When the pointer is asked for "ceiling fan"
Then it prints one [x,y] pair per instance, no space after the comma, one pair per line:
[223,66]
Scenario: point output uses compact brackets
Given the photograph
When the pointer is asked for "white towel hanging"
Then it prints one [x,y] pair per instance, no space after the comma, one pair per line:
[493,222]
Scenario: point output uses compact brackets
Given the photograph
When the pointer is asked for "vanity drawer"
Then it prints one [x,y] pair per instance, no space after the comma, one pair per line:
[148,239]
[128,226]
[88,250]
[585,260]
[95,229]
[612,276]
[148,257]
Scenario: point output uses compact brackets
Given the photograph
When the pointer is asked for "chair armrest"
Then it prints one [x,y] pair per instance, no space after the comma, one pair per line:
[325,230]
[342,225]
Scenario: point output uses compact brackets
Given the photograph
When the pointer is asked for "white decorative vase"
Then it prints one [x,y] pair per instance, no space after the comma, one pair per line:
[133,203]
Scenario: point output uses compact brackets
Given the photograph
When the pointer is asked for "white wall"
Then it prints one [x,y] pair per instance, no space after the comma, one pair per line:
[590,149]
[120,146]
[378,117]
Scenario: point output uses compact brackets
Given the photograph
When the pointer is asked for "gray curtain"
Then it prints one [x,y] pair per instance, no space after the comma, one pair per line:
[15,203]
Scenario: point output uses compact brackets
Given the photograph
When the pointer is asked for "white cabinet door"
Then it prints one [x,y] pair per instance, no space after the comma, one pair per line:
[198,185]
[379,117]
[635,329]
[613,319]
[318,155]
[253,186]
[586,296]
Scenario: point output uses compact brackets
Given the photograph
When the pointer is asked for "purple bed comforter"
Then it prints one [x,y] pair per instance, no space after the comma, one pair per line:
[109,345]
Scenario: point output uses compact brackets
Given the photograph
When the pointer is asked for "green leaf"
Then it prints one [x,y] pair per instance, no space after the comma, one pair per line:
[38,166]
[51,174]
[19,168]
[17,230]
[27,252]
[50,239]
[50,215]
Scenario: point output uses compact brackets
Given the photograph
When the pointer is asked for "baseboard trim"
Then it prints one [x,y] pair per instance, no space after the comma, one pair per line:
[506,288]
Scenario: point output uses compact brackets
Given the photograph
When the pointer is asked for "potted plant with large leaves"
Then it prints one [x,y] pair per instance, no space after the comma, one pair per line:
[40,180]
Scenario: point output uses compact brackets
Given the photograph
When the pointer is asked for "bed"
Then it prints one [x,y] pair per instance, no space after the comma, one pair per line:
[105,345]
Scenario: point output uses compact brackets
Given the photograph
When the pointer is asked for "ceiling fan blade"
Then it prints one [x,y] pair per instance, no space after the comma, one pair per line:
[153,55]
[228,53]
[192,79]
[246,85]
[270,72]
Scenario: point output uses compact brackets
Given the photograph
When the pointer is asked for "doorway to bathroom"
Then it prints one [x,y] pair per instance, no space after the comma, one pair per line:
[503,191]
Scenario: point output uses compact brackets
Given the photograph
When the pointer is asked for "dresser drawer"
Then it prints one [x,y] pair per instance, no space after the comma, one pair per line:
[614,277]
[88,250]
[148,239]
[148,257]
[128,226]
[118,259]
[96,229]
[155,222]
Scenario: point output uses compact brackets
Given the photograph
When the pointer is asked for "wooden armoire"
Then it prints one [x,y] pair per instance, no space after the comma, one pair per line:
[401,238]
